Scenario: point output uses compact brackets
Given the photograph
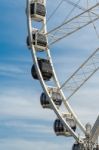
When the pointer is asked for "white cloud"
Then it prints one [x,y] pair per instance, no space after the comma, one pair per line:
[19,103]
[10,68]
[30,145]
[28,125]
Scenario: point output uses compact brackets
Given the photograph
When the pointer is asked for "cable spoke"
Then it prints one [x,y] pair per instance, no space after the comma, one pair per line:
[75,24]
[82,74]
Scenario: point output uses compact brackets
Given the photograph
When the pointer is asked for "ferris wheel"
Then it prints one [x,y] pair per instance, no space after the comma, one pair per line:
[39,40]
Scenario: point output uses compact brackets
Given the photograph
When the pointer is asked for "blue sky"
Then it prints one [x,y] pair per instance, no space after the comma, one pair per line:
[23,123]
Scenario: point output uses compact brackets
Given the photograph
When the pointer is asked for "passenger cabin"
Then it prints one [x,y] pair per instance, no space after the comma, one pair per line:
[77,146]
[61,130]
[27,41]
[45,68]
[56,97]
[39,41]
[97,147]
[37,10]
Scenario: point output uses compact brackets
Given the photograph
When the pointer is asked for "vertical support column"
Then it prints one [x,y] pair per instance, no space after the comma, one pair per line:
[95,131]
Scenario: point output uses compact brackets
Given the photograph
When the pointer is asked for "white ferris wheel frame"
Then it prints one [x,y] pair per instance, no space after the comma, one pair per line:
[55,80]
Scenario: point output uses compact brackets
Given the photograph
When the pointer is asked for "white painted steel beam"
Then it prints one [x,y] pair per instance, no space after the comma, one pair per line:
[95,131]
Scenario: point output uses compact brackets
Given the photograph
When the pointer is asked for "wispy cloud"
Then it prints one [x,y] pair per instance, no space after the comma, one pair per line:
[9,68]
[23,144]
[15,103]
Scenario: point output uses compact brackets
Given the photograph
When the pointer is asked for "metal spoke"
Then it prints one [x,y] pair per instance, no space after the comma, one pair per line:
[82,74]
[75,24]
